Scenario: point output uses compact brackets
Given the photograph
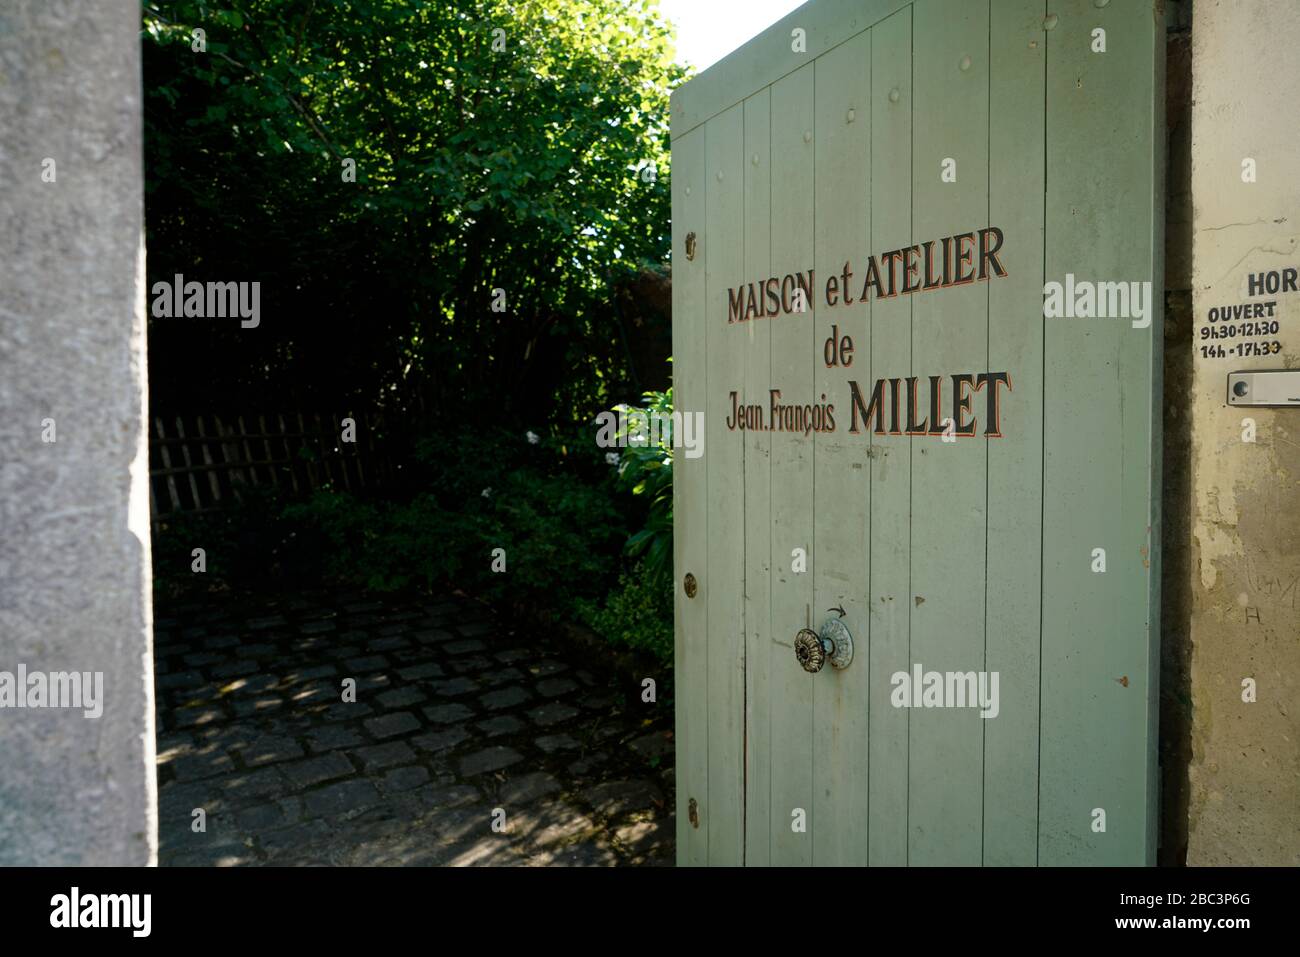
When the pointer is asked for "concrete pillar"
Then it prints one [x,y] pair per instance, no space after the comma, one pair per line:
[74,512]
[1245,569]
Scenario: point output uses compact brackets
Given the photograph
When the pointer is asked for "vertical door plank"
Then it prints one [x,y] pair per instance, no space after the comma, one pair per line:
[690,517]
[758,489]
[1015,462]
[891,467]
[724,139]
[793,353]
[841,486]
[949,336]
[1101,445]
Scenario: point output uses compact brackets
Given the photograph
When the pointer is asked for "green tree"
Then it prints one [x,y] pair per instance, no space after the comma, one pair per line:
[498,144]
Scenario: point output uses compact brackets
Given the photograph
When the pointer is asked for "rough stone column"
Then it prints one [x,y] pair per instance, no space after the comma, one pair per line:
[74,512]
[1244,803]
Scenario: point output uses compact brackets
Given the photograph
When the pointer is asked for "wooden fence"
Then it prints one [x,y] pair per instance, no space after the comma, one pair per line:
[199,463]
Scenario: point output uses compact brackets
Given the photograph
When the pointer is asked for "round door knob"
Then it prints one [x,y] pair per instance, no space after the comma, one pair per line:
[808,651]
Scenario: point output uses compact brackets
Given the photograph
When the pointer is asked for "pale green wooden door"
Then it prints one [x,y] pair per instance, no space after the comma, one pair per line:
[1025,550]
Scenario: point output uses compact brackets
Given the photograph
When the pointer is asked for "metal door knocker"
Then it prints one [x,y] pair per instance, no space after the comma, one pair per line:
[833,644]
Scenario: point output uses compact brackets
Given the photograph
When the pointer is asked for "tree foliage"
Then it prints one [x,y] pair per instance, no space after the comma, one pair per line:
[476,168]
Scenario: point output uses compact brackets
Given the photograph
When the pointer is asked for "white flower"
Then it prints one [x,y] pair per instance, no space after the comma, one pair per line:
[487,493]
[533,437]
[611,458]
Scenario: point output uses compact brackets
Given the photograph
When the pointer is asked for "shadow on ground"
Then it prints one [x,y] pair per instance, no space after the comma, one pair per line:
[458,723]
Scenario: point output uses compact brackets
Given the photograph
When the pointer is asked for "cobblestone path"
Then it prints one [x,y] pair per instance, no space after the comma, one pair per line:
[453,719]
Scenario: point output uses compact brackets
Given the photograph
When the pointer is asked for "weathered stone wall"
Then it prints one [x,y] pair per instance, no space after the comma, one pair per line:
[74,512]
[1245,570]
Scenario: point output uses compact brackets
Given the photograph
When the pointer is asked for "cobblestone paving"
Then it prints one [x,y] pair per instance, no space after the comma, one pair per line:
[454,718]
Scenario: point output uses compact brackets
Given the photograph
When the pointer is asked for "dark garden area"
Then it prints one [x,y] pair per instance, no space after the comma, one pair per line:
[401,257]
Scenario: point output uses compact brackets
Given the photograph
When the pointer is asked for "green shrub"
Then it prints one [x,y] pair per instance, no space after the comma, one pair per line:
[243,546]
[563,517]
[561,539]
[381,547]
[559,536]
[174,539]
[638,614]
[333,523]
[645,469]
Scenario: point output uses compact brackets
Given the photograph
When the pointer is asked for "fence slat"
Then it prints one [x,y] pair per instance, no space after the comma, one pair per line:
[322,450]
[266,444]
[242,448]
[288,453]
[209,465]
[342,446]
[363,433]
[189,465]
[248,450]
[313,478]
[167,463]
[229,455]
